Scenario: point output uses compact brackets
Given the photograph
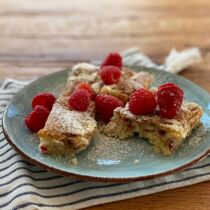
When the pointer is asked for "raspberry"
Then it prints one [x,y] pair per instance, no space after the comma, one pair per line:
[142,102]
[110,74]
[43,149]
[86,86]
[35,120]
[113,59]
[79,100]
[43,99]
[105,106]
[169,100]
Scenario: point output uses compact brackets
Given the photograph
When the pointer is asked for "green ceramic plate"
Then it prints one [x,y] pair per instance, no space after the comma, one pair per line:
[106,159]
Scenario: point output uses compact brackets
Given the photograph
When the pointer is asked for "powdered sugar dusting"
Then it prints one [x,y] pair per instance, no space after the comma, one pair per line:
[69,121]
[111,151]
[197,137]
[193,141]
[138,80]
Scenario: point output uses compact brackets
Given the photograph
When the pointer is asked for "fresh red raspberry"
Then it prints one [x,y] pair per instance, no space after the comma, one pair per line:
[105,106]
[110,74]
[113,59]
[36,120]
[169,99]
[142,102]
[43,149]
[43,99]
[86,86]
[79,100]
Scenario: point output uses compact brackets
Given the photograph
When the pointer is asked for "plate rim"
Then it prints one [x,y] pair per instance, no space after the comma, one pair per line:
[92,177]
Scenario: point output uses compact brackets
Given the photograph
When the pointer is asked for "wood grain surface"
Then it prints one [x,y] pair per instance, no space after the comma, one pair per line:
[39,37]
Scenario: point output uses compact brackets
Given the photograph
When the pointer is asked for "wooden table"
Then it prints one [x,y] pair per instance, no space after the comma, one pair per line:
[38,37]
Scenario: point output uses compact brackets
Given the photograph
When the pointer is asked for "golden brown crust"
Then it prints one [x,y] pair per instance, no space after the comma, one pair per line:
[129,82]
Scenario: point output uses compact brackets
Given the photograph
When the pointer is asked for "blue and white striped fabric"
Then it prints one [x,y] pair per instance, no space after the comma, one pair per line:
[25,186]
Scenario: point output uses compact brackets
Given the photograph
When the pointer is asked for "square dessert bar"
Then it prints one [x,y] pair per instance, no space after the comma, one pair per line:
[67,131]
[166,135]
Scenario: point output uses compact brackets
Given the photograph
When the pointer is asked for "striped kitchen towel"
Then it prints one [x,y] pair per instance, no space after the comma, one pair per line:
[26,186]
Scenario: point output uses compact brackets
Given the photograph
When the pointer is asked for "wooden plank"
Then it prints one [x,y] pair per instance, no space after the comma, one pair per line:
[69,49]
[39,5]
[132,8]
[69,28]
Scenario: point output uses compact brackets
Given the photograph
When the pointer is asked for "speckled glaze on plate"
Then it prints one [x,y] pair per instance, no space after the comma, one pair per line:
[107,159]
